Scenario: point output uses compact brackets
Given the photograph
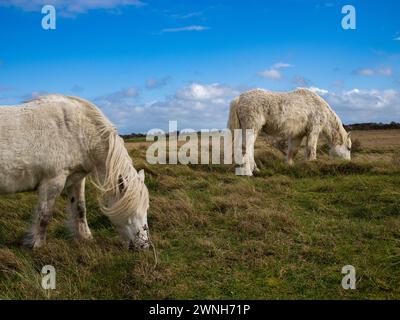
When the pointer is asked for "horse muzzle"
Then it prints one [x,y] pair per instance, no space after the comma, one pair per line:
[139,245]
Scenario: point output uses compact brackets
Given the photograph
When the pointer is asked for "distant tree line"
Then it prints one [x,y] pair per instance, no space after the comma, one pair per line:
[132,136]
[348,127]
[372,126]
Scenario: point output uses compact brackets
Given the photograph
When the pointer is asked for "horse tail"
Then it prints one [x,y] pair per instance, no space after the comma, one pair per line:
[233,121]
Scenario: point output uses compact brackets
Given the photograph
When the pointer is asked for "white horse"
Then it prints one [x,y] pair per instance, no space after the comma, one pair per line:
[52,143]
[294,115]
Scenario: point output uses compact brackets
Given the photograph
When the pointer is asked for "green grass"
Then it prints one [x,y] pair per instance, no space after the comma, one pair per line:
[283,234]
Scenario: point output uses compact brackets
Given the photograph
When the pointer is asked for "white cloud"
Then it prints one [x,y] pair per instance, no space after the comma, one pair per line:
[70,8]
[275,72]
[205,106]
[187,28]
[319,91]
[200,92]
[364,105]
[271,74]
[195,106]
[369,72]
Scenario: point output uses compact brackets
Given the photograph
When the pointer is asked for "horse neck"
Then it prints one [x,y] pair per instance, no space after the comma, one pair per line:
[334,131]
[98,149]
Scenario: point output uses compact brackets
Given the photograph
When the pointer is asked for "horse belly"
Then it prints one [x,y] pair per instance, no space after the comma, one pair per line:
[17,181]
[286,125]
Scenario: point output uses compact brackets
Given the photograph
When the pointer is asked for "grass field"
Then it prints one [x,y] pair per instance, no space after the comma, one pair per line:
[284,234]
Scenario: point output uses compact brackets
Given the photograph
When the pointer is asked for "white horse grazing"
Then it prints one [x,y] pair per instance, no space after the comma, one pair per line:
[52,143]
[294,115]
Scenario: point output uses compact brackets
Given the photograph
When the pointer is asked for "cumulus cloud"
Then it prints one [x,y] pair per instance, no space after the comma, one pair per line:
[70,8]
[369,72]
[275,72]
[196,106]
[205,106]
[187,28]
[200,92]
[319,91]
[362,105]
[271,74]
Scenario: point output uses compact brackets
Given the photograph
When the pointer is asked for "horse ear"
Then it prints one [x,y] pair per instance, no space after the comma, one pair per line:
[141,175]
[349,135]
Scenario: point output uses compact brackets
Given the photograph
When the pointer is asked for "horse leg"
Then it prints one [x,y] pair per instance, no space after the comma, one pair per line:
[48,192]
[248,164]
[293,148]
[311,148]
[77,211]
[253,165]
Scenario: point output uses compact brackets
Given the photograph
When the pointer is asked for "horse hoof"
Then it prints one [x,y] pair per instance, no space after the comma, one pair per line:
[85,237]
[37,244]
[31,243]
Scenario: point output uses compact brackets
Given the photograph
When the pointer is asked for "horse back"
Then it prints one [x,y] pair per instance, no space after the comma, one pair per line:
[40,139]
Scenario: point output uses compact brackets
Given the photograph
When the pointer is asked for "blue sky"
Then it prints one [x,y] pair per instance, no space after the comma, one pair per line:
[147,62]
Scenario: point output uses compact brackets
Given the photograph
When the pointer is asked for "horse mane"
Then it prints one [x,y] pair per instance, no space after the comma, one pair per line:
[121,180]
[119,169]
[337,132]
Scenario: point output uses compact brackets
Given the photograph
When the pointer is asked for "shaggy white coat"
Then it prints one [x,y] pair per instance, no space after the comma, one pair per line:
[53,143]
[293,115]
